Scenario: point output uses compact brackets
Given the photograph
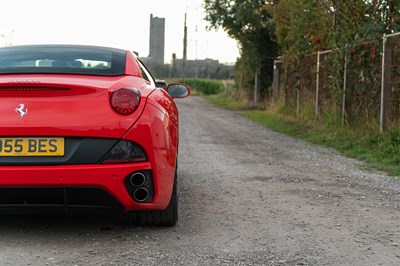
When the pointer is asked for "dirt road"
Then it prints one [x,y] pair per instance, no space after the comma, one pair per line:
[248,196]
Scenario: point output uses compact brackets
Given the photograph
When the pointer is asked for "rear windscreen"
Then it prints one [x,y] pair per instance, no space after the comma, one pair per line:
[62,60]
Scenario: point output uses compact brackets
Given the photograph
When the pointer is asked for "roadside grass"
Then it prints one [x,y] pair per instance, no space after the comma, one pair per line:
[225,102]
[379,151]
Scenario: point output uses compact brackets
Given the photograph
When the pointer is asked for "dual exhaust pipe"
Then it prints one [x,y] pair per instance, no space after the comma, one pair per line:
[138,181]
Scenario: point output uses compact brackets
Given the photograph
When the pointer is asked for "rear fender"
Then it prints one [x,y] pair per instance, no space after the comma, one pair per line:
[157,132]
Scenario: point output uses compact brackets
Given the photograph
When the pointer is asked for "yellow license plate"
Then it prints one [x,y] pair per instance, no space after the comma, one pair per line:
[31,146]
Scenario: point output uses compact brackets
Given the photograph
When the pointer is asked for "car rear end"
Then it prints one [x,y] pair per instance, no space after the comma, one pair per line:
[73,141]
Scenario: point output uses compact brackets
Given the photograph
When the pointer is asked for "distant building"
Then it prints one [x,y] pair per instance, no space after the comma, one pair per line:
[157,39]
[180,68]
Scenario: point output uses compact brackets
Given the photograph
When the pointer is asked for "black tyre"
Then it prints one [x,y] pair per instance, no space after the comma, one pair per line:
[167,217]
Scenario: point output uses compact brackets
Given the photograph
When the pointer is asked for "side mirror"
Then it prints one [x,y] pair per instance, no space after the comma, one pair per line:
[177,90]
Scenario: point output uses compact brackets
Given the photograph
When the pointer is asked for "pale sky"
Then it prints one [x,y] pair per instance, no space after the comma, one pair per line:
[114,23]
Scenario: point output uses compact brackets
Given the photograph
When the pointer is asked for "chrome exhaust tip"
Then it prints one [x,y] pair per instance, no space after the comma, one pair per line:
[138,179]
[141,194]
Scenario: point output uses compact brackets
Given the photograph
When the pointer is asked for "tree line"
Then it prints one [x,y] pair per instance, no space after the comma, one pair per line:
[292,29]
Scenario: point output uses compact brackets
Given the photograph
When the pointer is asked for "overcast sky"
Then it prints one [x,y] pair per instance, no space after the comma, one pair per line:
[116,23]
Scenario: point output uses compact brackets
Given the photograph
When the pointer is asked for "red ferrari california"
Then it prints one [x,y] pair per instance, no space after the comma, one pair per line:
[86,128]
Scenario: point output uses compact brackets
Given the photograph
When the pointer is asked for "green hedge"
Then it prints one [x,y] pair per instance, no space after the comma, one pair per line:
[204,86]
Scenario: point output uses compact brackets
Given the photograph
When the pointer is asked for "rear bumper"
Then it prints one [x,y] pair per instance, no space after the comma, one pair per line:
[108,178]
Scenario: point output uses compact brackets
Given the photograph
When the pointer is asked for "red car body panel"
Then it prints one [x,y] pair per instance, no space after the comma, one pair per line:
[66,105]
[162,127]
[66,112]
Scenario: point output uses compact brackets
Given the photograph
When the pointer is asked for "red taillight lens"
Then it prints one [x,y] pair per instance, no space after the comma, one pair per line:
[125,101]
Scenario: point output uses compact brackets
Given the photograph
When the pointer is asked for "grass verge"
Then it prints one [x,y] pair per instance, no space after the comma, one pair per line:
[380,151]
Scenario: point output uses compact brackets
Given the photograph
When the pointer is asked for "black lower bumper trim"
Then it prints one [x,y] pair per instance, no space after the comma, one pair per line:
[57,199]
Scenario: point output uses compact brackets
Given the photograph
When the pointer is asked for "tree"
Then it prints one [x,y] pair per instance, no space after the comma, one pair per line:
[250,23]
[302,26]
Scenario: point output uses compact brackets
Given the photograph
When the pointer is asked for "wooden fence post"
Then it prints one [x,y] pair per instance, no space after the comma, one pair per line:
[256,86]
[386,92]
[317,115]
[344,91]
[276,80]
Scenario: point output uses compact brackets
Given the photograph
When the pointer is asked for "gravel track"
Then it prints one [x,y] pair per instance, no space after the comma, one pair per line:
[248,196]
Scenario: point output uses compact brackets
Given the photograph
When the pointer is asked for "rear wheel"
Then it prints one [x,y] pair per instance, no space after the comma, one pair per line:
[167,217]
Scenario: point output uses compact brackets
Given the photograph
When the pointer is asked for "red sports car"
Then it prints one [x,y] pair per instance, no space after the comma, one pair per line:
[85,127]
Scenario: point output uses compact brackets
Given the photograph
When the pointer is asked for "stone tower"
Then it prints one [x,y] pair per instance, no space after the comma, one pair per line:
[157,39]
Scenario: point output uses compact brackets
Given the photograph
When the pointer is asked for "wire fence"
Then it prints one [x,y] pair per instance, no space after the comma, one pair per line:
[344,84]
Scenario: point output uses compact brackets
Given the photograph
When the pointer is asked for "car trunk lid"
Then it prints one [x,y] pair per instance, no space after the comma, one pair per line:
[65,105]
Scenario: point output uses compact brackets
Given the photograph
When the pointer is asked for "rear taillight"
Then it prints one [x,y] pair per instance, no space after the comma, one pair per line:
[125,101]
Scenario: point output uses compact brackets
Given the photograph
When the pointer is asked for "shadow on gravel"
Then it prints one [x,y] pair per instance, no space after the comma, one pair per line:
[49,224]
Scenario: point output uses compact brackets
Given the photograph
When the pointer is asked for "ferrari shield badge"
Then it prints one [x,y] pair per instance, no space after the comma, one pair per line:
[21,111]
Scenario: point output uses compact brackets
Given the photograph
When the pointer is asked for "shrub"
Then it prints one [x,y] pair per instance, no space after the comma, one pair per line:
[204,86]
